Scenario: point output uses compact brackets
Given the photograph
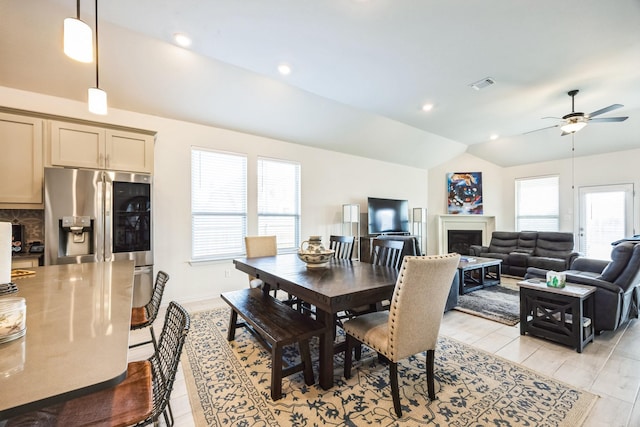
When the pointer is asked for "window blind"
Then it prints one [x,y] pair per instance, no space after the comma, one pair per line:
[218,204]
[538,204]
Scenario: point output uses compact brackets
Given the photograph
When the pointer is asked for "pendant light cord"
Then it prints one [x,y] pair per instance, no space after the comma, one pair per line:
[97,75]
[78,9]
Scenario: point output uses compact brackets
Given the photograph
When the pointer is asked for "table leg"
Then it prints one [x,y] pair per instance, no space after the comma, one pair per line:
[326,349]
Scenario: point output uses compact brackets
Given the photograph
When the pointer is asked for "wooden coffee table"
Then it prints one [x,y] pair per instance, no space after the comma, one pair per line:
[478,273]
[564,315]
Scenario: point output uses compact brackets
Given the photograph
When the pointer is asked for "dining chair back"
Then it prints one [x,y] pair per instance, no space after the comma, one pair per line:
[412,323]
[259,246]
[143,317]
[165,361]
[140,399]
[342,245]
[387,252]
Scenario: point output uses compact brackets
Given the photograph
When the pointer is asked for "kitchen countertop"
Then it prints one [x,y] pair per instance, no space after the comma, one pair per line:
[77,336]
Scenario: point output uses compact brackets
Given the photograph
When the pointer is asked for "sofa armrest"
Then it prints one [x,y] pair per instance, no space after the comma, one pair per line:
[600,284]
[536,273]
[477,249]
[571,258]
[589,264]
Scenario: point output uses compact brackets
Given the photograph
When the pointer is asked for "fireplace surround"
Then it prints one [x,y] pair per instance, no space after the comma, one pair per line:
[484,223]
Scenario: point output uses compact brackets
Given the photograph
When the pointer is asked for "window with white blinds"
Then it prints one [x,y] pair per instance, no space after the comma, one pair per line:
[218,204]
[279,201]
[538,204]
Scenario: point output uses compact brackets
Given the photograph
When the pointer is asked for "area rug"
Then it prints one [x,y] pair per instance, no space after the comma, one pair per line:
[229,382]
[498,303]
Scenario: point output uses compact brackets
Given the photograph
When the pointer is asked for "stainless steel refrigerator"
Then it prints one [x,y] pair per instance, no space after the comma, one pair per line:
[98,215]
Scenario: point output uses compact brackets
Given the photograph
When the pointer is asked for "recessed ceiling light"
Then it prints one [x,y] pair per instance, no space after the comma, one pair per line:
[284,69]
[494,136]
[427,107]
[182,39]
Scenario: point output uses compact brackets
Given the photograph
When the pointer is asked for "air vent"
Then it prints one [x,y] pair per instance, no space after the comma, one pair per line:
[481,84]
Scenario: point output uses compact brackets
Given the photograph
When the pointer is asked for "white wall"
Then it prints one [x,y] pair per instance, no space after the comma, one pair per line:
[499,187]
[329,180]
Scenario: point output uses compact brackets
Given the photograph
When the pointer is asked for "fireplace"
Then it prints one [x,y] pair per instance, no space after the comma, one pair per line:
[484,223]
[460,240]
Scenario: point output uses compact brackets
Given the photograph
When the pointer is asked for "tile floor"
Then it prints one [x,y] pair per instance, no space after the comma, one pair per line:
[608,367]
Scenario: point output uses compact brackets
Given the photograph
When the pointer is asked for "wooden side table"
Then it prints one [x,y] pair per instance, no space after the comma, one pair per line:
[564,315]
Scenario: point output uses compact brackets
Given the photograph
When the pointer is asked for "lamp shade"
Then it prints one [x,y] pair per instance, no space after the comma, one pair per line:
[97,101]
[78,40]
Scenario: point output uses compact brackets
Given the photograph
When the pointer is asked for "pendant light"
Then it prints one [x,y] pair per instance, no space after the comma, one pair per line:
[78,40]
[97,97]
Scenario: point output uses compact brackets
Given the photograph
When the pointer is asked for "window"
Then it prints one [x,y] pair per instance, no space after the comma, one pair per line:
[538,204]
[279,201]
[218,204]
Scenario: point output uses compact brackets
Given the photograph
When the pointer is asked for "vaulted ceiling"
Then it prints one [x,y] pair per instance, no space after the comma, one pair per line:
[361,70]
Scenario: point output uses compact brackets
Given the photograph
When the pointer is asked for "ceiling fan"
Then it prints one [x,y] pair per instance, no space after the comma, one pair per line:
[574,121]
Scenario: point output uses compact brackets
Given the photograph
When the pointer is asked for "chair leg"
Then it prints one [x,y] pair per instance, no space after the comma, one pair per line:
[153,338]
[395,392]
[347,356]
[305,355]
[430,376]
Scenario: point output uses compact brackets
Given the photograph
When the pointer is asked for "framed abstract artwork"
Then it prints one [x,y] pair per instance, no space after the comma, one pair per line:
[464,193]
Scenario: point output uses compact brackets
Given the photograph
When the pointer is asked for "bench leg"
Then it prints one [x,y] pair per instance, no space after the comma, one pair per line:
[231,333]
[276,372]
[305,355]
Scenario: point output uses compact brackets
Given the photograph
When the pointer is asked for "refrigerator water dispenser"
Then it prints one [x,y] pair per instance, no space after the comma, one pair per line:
[76,233]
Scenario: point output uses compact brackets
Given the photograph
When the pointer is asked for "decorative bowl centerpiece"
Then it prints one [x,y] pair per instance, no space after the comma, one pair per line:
[315,255]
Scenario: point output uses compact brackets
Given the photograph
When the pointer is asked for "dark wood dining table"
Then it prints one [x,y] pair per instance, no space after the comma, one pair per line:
[341,285]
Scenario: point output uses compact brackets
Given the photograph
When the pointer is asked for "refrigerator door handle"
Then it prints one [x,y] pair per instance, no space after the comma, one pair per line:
[108,220]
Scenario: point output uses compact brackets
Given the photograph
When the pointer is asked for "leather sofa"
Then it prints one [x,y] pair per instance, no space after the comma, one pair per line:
[617,297]
[521,250]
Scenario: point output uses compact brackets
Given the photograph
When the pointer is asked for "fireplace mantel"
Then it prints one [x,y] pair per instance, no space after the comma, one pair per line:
[464,222]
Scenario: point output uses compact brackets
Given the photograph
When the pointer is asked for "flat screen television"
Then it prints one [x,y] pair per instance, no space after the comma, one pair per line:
[388,216]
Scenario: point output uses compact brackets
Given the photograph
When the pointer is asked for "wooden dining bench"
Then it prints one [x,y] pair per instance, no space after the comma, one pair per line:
[275,325]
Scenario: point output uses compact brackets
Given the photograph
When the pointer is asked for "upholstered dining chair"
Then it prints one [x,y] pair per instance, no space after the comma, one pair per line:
[342,245]
[386,253]
[140,399]
[412,323]
[259,246]
[143,317]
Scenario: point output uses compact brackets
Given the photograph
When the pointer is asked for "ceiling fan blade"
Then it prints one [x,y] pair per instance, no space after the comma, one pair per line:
[557,118]
[606,109]
[609,119]
[548,127]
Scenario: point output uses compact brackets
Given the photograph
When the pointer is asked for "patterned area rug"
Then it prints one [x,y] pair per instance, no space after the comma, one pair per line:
[229,386]
[499,303]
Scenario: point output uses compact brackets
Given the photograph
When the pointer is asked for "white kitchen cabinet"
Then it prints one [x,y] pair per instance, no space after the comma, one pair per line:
[21,161]
[93,147]
[129,151]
